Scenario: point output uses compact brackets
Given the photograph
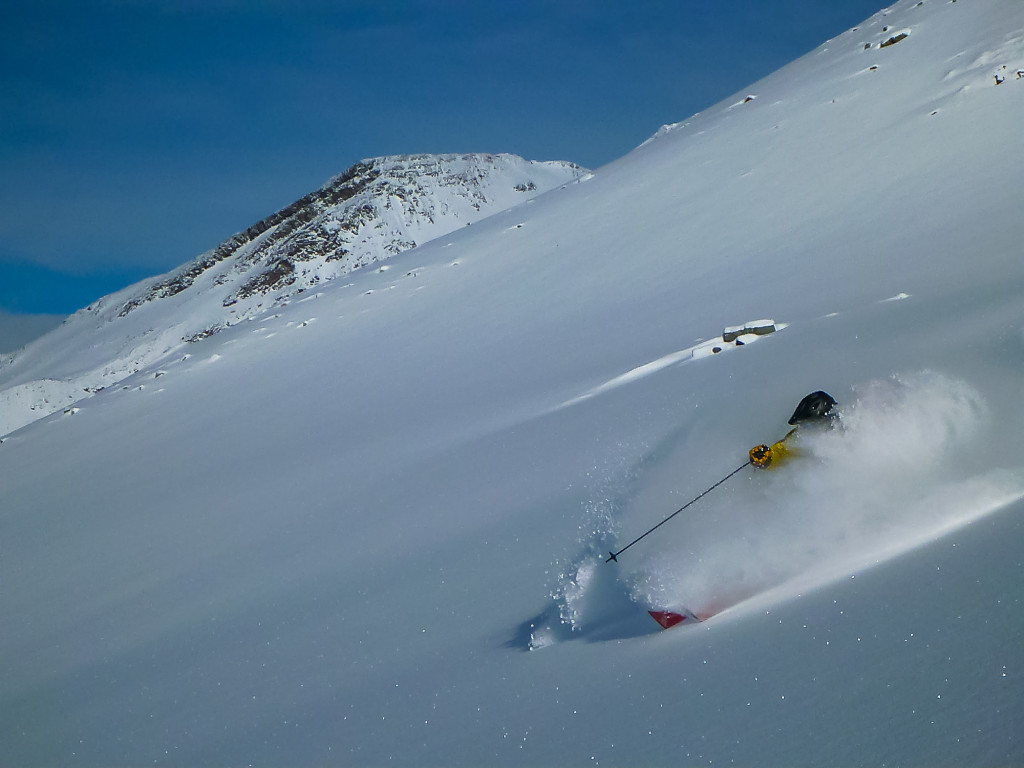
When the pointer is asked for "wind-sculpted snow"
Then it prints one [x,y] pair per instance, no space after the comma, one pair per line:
[735,338]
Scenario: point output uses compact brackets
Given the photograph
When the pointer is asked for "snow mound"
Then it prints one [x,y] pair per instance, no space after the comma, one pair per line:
[733,337]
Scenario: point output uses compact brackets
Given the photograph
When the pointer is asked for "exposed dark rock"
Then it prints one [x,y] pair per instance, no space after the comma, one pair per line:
[760,328]
[204,334]
[280,275]
[893,40]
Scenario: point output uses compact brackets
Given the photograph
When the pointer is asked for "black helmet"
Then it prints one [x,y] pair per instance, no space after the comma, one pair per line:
[817,406]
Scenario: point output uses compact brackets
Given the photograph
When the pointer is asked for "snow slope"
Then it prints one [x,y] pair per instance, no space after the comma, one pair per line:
[370,527]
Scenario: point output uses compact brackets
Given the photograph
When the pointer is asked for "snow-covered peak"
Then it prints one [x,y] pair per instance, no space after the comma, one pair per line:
[374,210]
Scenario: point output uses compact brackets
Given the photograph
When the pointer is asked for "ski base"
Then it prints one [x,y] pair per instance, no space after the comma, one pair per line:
[669,619]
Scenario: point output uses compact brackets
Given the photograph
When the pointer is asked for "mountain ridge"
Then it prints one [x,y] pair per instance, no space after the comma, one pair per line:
[324,226]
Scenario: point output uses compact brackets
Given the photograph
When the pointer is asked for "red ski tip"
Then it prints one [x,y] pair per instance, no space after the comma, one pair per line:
[667,618]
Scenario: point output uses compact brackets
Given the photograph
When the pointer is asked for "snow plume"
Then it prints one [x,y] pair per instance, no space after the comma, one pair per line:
[578,579]
[890,475]
[587,601]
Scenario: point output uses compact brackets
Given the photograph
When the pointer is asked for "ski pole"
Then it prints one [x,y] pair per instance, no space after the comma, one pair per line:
[615,555]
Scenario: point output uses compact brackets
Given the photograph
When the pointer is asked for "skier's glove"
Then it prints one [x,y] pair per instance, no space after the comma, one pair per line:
[761,456]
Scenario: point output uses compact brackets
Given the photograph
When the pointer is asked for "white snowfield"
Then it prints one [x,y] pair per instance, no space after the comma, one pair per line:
[369,527]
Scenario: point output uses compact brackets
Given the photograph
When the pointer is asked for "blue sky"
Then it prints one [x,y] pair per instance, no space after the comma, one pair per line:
[136,135]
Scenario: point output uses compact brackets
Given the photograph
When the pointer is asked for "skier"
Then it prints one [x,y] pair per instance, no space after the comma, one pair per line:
[816,408]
